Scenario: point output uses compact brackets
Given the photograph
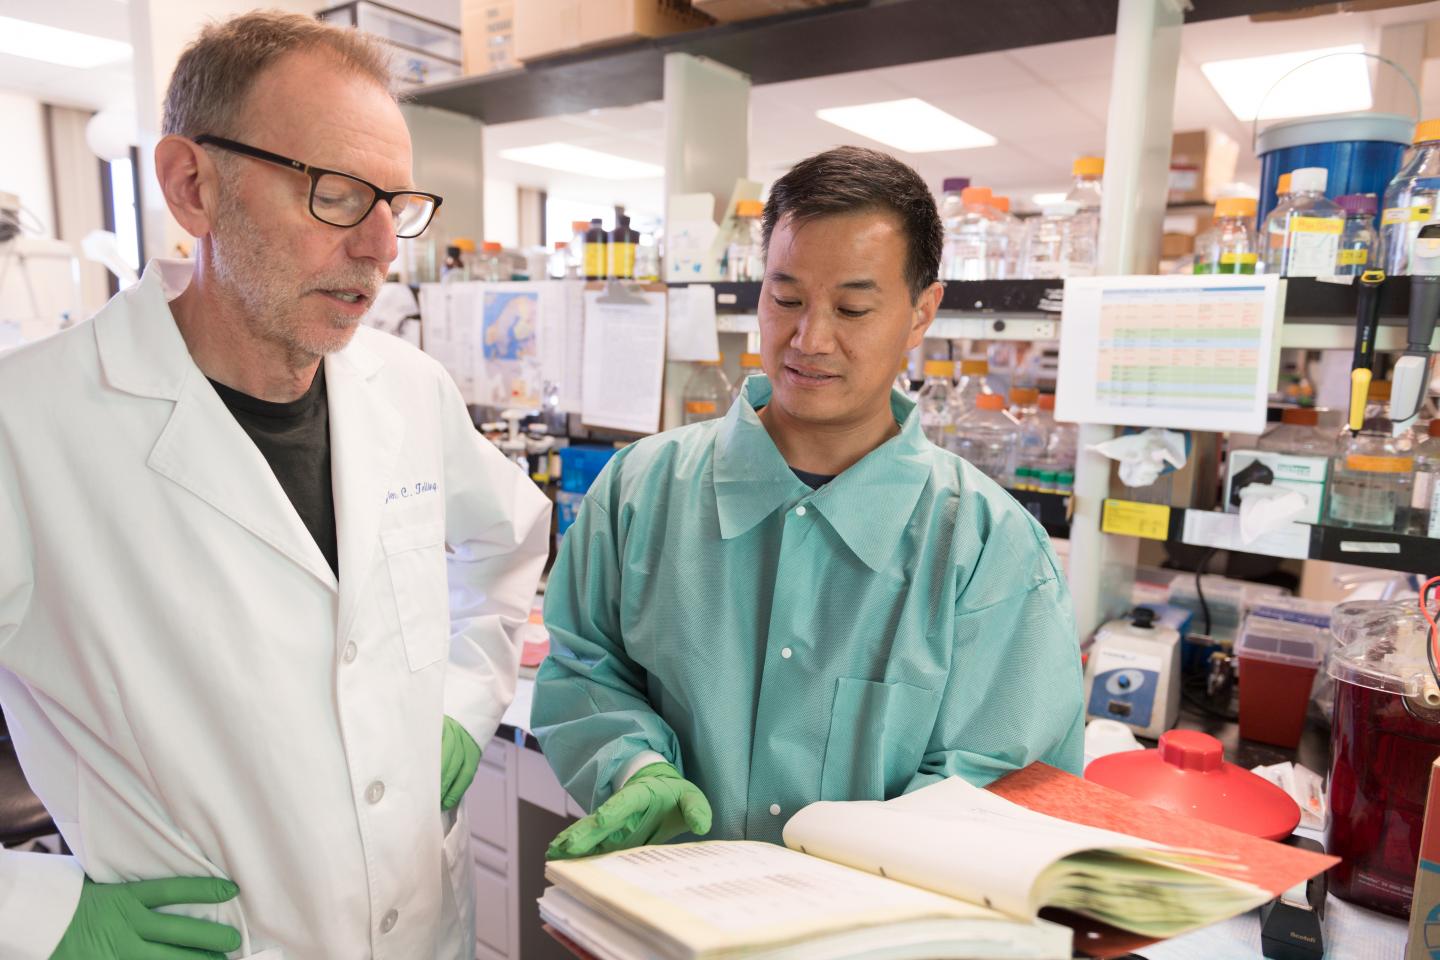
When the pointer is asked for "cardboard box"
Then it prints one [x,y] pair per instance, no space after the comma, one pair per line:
[1305,475]
[727,11]
[545,28]
[1202,162]
[1425,902]
[487,36]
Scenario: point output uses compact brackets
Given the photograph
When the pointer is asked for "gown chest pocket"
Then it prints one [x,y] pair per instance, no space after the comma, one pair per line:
[878,735]
[415,558]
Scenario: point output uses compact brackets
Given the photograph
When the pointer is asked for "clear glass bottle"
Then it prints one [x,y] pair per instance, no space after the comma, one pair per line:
[1230,245]
[1032,437]
[1425,500]
[950,203]
[1371,479]
[749,366]
[1063,438]
[974,381]
[1272,231]
[934,400]
[707,393]
[1014,231]
[986,438]
[647,258]
[745,253]
[1410,199]
[1358,246]
[1312,227]
[1055,247]
[975,242]
[492,262]
[1088,173]
[1298,434]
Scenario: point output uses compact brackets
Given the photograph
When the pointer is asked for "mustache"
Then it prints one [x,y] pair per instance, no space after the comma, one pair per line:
[367,283]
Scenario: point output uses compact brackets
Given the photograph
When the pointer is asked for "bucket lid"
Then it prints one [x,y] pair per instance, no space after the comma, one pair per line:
[1188,775]
[1364,125]
[1381,646]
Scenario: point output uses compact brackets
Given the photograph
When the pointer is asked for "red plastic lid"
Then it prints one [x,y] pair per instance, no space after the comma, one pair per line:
[1188,774]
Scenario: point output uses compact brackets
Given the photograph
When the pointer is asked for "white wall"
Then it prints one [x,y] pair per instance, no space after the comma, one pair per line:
[23,168]
[502,213]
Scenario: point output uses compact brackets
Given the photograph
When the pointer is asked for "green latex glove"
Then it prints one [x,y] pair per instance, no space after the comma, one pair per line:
[459,756]
[655,805]
[118,921]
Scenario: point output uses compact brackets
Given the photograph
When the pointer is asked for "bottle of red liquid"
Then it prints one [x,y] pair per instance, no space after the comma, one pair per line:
[1384,738]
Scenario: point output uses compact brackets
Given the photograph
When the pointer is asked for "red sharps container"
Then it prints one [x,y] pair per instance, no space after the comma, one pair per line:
[1384,737]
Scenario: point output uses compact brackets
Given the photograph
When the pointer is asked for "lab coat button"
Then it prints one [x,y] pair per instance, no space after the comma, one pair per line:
[350,651]
[375,791]
[774,809]
[388,923]
[786,653]
[800,510]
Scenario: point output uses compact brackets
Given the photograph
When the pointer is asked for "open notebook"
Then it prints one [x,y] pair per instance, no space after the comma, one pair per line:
[950,871]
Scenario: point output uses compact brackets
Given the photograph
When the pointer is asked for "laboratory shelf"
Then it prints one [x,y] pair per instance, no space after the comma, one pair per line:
[1322,301]
[1208,528]
[1033,297]
[837,38]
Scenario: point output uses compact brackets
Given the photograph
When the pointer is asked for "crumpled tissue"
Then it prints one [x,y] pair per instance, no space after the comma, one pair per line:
[1264,508]
[1143,456]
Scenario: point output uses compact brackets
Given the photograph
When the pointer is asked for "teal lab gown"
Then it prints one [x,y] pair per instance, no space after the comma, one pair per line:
[906,622]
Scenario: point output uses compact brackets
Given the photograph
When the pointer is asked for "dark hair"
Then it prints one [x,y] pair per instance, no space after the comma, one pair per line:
[856,179]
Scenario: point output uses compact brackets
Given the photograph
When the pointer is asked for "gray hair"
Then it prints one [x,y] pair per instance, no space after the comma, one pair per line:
[215,73]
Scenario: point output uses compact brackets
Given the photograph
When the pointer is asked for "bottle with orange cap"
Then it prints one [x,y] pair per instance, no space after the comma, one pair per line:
[492,262]
[1410,199]
[976,240]
[745,253]
[1275,229]
[1085,194]
[1014,230]
[934,401]
[1229,246]
[749,366]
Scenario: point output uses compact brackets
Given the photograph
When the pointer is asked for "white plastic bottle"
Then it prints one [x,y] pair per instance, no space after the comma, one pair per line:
[986,437]
[1055,247]
[934,401]
[1410,199]
[1312,227]
[1272,231]
[707,392]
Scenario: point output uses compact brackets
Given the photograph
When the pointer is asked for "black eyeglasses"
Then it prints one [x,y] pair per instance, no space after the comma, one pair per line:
[342,200]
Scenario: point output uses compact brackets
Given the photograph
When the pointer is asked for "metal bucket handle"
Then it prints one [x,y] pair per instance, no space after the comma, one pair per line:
[1260,108]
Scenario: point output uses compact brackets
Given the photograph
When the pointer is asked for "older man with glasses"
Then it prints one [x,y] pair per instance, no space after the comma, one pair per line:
[259,575]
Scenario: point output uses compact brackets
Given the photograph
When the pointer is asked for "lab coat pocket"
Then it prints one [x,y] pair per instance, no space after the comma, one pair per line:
[416,558]
[460,905]
[878,735]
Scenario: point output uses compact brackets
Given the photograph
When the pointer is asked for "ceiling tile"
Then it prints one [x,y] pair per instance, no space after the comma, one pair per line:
[1070,60]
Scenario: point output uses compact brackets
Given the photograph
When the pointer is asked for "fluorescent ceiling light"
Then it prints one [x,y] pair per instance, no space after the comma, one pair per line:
[1337,84]
[1045,199]
[912,125]
[35,41]
[590,163]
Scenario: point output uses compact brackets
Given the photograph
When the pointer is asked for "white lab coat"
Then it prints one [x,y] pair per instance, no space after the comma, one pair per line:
[190,691]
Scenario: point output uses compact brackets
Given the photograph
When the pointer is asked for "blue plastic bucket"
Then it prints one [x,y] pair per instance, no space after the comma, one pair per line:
[1362,151]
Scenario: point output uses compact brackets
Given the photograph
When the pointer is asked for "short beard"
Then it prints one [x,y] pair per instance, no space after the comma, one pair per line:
[246,267]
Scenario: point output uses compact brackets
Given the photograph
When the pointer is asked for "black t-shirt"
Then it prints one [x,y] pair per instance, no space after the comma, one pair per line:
[295,440]
[812,480]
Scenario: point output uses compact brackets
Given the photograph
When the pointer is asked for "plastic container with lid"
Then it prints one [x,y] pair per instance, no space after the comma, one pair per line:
[1410,199]
[1230,245]
[1188,774]
[1371,479]
[1313,226]
[1278,661]
[1385,735]
[986,437]
[935,399]
[1358,247]
[1298,434]
[750,365]
[706,393]
[1425,498]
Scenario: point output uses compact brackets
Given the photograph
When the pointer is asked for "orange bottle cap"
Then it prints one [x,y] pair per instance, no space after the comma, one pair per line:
[974,368]
[990,401]
[1235,207]
[1088,167]
[939,368]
